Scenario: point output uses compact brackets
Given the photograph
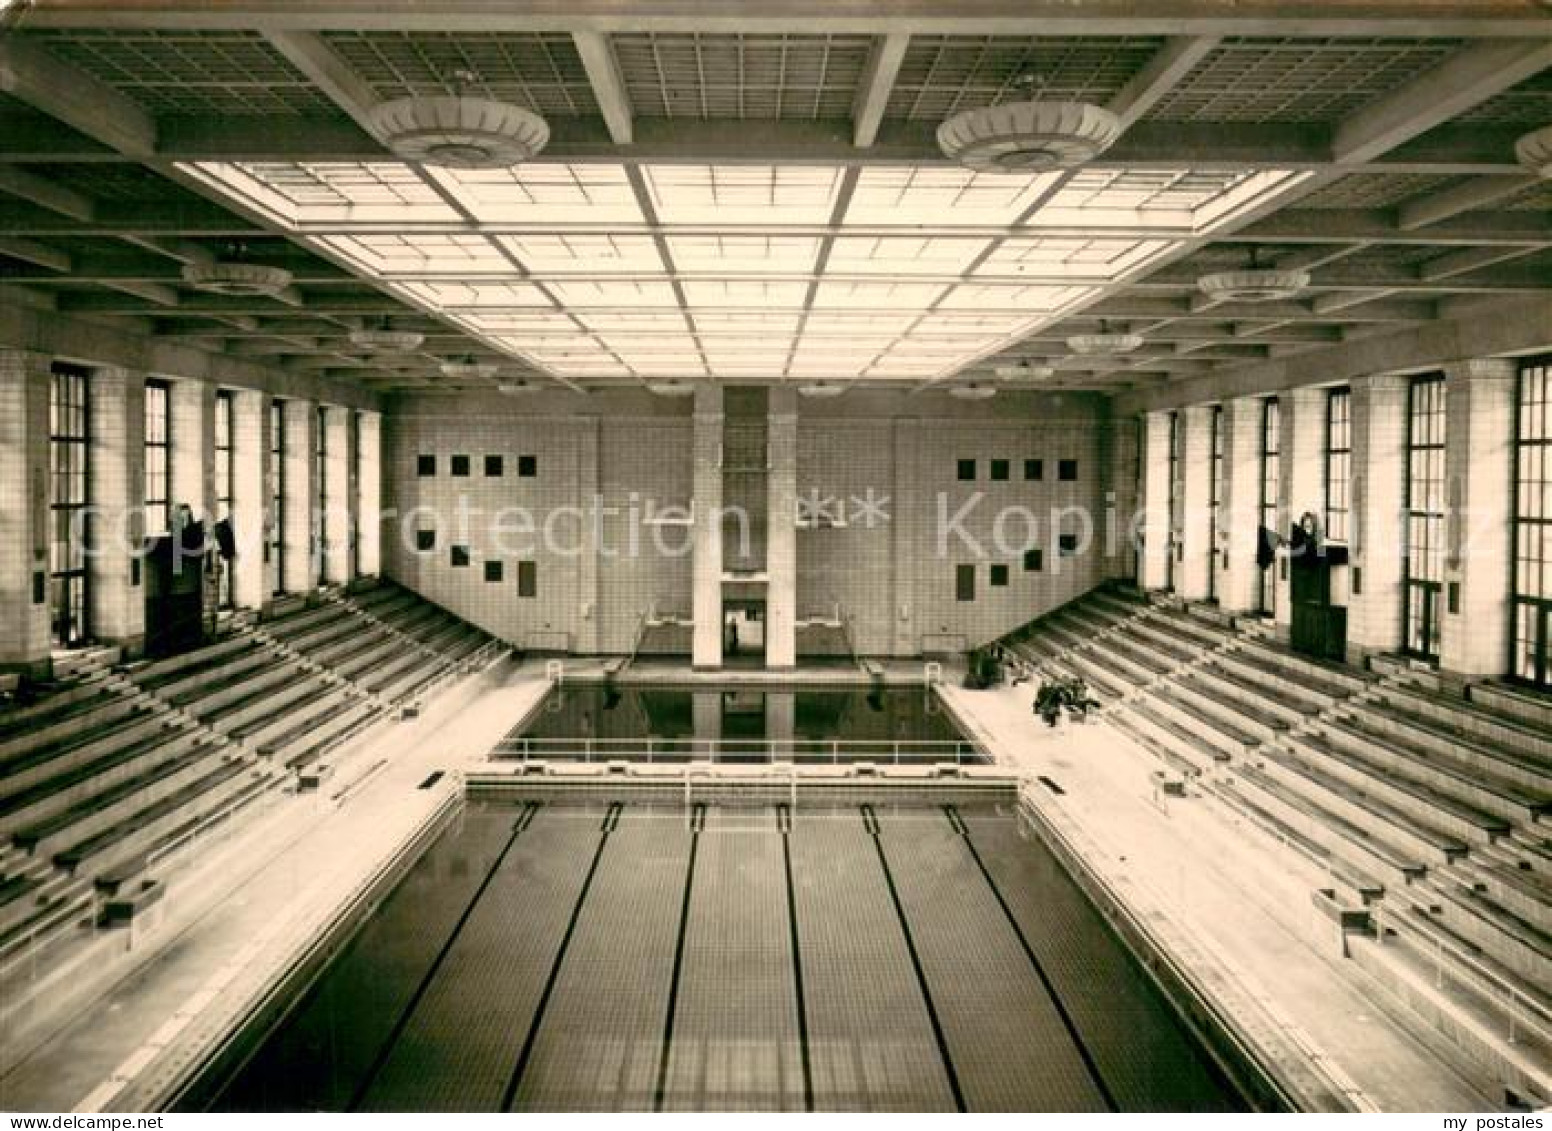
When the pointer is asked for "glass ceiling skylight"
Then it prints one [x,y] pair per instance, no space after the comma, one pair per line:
[600,271]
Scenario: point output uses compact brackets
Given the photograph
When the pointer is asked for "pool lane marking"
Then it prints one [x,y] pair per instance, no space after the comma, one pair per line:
[524,820]
[954,819]
[610,822]
[870,822]
[697,823]
[784,823]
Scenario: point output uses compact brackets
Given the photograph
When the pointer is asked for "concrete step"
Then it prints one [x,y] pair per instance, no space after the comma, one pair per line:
[1519,704]
[1473,723]
[1344,840]
[1228,738]
[1412,840]
[1179,747]
[29,770]
[1385,722]
[1247,719]
[1274,681]
[1417,801]
[28,717]
[80,784]
[1257,700]
[106,808]
[1452,777]
[157,672]
[1508,939]
[1516,892]
[68,726]
[273,698]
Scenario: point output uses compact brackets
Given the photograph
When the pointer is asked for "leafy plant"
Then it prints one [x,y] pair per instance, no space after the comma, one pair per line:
[983,669]
[1058,696]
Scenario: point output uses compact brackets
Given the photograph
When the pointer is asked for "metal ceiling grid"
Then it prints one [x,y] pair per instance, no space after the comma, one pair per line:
[541,72]
[1296,80]
[191,72]
[941,75]
[1528,105]
[1375,190]
[741,76]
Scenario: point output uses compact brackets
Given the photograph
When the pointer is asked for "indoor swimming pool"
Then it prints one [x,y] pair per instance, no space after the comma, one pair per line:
[616,954]
[666,722]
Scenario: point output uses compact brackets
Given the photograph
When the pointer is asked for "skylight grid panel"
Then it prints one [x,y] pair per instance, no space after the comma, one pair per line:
[451,295]
[828,364]
[420,254]
[366,192]
[874,322]
[545,193]
[536,322]
[654,365]
[775,254]
[587,254]
[761,325]
[990,296]
[734,293]
[633,321]
[613,293]
[625,345]
[882,296]
[687,194]
[969,324]
[900,255]
[1059,257]
[899,194]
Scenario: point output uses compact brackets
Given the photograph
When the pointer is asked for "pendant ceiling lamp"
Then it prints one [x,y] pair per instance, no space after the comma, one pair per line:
[459,130]
[1534,151]
[1106,343]
[468,369]
[385,339]
[1028,137]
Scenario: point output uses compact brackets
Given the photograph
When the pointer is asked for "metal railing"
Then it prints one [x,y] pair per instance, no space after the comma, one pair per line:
[802,751]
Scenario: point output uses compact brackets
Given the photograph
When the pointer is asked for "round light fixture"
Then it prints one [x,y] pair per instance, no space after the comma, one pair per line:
[467,369]
[972,392]
[238,279]
[1023,371]
[516,389]
[819,390]
[1534,151]
[459,131]
[1255,284]
[380,339]
[1028,137]
[671,388]
[1103,344]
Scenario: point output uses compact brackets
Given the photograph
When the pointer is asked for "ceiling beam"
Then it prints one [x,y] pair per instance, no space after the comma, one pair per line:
[603,73]
[30,251]
[1462,18]
[1467,78]
[878,82]
[35,76]
[1161,74]
[154,293]
[324,68]
[1467,196]
[186,252]
[17,181]
[1471,259]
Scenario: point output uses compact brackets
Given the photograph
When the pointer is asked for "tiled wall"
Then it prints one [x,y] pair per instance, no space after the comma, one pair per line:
[887,577]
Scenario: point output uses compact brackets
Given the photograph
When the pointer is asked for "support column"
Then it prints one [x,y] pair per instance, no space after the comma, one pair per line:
[115,587]
[781,715]
[1120,452]
[1479,477]
[1196,510]
[706,719]
[1303,420]
[1378,534]
[336,518]
[1154,520]
[1239,511]
[586,638]
[706,647]
[193,446]
[300,563]
[250,479]
[369,500]
[25,519]
[781,544]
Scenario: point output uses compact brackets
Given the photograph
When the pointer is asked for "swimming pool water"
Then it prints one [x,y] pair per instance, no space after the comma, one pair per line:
[629,956]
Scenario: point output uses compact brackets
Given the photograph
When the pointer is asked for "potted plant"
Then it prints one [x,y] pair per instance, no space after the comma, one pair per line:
[983,669]
[1060,696]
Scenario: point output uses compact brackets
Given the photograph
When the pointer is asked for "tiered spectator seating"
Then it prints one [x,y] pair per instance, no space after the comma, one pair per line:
[1434,809]
[104,775]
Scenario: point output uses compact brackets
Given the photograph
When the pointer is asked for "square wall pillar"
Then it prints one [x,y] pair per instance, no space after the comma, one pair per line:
[24,512]
[1153,522]
[706,571]
[299,453]
[1302,444]
[369,500]
[250,501]
[1121,454]
[1479,531]
[1196,511]
[1239,511]
[116,474]
[193,406]
[781,545]
[335,523]
[1378,535]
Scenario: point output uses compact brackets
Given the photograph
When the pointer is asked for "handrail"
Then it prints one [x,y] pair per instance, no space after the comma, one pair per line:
[831,751]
